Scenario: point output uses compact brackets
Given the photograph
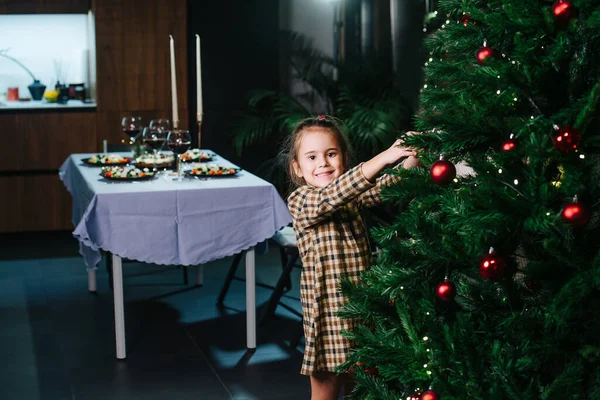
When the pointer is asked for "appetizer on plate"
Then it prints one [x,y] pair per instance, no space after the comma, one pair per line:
[149,160]
[126,173]
[211,170]
[107,159]
[196,155]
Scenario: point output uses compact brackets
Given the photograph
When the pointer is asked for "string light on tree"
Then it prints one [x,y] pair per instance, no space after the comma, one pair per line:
[576,213]
[442,171]
[566,139]
[492,266]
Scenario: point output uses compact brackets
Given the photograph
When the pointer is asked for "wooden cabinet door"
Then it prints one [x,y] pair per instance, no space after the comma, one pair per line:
[41,141]
[34,203]
[44,6]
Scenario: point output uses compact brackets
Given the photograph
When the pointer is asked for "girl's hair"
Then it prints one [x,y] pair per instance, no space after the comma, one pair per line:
[292,143]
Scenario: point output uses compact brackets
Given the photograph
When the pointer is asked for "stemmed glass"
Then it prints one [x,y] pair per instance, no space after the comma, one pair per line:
[160,129]
[160,125]
[132,127]
[179,141]
[154,139]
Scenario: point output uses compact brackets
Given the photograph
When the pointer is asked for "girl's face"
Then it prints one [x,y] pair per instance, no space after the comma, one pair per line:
[319,158]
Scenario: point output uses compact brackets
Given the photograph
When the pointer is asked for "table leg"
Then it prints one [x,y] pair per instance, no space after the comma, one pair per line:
[92,280]
[199,275]
[250,300]
[119,309]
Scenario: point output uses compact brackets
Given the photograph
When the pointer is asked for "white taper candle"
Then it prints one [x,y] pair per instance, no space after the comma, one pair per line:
[200,109]
[173,83]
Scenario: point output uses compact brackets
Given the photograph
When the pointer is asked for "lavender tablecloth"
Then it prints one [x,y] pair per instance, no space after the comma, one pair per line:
[165,222]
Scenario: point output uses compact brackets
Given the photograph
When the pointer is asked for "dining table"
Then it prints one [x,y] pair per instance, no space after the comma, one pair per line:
[166,221]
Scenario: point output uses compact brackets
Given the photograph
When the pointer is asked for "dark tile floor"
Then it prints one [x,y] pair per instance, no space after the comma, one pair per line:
[57,340]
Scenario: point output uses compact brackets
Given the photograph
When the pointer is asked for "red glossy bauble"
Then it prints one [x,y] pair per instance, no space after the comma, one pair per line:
[442,172]
[446,291]
[563,11]
[509,145]
[483,54]
[466,19]
[492,266]
[566,139]
[531,285]
[430,395]
[372,370]
[576,213]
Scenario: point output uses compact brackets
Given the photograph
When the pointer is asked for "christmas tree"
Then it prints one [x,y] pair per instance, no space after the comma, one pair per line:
[487,283]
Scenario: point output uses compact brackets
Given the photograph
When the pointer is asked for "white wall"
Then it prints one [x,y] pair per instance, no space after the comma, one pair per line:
[40,41]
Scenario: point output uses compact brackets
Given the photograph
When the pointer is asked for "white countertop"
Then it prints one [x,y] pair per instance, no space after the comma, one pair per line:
[42,105]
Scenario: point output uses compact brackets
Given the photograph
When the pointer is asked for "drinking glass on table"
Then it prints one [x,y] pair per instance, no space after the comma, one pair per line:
[161,124]
[132,127]
[179,141]
[154,139]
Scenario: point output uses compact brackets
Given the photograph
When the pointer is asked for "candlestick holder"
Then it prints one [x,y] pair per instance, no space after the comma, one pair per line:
[199,133]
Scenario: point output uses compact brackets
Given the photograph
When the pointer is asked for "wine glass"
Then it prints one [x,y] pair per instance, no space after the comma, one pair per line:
[179,141]
[160,124]
[132,127]
[154,139]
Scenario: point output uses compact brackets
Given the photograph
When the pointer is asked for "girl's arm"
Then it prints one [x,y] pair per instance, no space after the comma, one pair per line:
[309,205]
[373,196]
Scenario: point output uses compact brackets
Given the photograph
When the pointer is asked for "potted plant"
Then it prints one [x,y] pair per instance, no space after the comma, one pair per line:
[365,97]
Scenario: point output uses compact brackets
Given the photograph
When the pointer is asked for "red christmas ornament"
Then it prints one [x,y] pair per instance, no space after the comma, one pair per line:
[372,370]
[446,290]
[352,369]
[576,213]
[566,139]
[492,266]
[442,172]
[430,395]
[466,19]
[563,11]
[531,285]
[484,53]
[510,144]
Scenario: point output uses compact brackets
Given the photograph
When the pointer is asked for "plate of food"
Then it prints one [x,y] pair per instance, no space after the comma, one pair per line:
[213,170]
[128,173]
[102,160]
[160,160]
[197,155]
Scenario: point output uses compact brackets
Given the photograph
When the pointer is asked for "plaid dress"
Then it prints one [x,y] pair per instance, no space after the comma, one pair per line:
[333,242]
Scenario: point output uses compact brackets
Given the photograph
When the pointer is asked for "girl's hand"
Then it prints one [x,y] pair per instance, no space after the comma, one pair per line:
[396,152]
[410,162]
[387,157]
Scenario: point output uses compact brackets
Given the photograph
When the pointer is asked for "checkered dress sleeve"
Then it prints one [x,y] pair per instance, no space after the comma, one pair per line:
[373,196]
[309,205]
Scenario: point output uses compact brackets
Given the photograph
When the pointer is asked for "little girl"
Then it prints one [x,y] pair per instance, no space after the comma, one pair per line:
[331,237]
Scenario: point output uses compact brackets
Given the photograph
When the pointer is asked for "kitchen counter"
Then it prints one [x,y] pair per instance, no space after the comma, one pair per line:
[42,105]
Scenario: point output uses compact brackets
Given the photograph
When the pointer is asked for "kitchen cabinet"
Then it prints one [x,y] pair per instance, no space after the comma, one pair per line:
[44,6]
[133,78]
